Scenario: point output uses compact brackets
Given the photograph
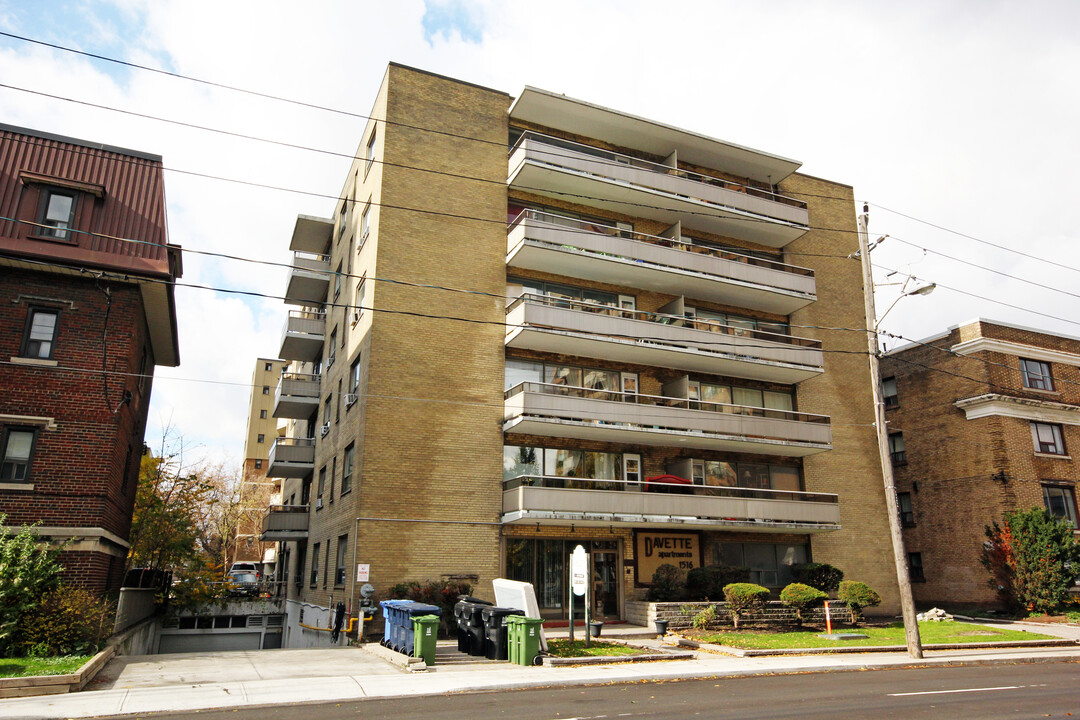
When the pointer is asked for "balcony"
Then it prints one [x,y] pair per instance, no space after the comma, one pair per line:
[606,503]
[309,279]
[285,522]
[550,410]
[303,335]
[570,327]
[560,169]
[312,234]
[574,248]
[297,396]
[291,458]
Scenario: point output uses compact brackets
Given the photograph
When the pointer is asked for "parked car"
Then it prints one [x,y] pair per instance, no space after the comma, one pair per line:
[248,567]
[243,583]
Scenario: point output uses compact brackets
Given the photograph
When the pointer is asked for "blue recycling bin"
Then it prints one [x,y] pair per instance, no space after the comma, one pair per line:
[398,633]
[391,622]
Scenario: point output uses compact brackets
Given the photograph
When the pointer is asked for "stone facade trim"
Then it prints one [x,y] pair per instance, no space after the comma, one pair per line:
[1018,349]
[992,404]
[47,423]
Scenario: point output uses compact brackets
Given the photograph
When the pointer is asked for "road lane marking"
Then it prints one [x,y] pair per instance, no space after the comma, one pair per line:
[966,690]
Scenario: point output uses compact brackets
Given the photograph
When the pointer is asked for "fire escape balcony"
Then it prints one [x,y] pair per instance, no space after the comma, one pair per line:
[605,503]
[671,265]
[570,327]
[552,410]
[297,396]
[561,169]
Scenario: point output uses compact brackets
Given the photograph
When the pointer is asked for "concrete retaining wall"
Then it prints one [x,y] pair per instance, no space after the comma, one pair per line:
[680,614]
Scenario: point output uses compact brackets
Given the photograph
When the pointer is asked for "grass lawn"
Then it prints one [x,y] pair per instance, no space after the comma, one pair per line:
[564,648]
[27,666]
[930,632]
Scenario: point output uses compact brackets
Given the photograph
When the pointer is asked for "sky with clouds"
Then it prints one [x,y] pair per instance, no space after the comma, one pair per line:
[960,115]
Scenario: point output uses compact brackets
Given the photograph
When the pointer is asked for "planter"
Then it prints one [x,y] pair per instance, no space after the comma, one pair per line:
[595,628]
[661,627]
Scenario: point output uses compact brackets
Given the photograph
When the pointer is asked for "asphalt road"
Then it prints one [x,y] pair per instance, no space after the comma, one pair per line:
[999,691]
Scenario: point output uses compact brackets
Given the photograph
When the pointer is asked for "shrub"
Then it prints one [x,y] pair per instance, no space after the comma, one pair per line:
[667,584]
[28,570]
[707,583]
[702,619]
[801,597]
[822,576]
[441,593]
[857,595]
[743,598]
[1032,559]
[67,621]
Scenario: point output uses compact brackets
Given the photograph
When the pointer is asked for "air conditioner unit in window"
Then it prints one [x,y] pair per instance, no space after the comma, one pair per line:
[318,503]
[350,399]
[325,429]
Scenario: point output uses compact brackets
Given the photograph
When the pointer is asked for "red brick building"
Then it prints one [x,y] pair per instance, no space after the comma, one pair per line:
[86,311]
[983,419]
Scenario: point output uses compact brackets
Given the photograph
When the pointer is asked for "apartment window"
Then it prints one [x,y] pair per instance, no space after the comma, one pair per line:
[354,376]
[1036,374]
[337,281]
[333,474]
[770,565]
[18,448]
[903,505]
[321,487]
[268,367]
[896,449]
[266,389]
[369,153]
[339,568]
[915,569]
[262,414]
[333,349]
[261,438]
[341,401]
[759,476]
[342,219]
[40,336]
[365,225]
[315,565]
[57,214]
[888,393]
[1061,503]
[347,468]
[326,564]
[1048,438]
[358,300]
[258,464]
[326,411]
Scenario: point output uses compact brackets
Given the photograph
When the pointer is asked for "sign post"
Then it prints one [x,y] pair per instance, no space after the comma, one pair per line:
[579,576]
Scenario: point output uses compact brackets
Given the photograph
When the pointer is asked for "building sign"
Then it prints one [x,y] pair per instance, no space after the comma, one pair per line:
[653,549]
[363,572]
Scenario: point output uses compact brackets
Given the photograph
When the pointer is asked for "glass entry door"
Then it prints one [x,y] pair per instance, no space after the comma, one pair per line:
[546,564]
[605,582]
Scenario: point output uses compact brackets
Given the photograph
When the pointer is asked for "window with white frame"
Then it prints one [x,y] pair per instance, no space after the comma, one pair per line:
[888,393]
[358,300]
[1036,374]
[57,214]
[1061,503]
[354,376]
[315,565]
[347,468]
[365,224]
[17,450]
[1048,438]
[369,153]
[339,567]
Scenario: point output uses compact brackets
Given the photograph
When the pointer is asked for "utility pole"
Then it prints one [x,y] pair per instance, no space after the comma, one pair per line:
[903,578]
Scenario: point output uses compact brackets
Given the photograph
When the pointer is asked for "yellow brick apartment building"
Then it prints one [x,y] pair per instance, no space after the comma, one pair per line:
[532,322]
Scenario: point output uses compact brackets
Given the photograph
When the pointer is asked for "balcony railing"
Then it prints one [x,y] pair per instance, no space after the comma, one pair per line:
[584,501]
[545,165]
[303,335]
[541,241]
[553,410]
[309,279]
[291,457]
[297,395]
[285,522]
[552,324]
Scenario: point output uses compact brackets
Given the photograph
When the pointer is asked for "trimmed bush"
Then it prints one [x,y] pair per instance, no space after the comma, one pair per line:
[822,576]
[743,598]
[667,584]
[707,583]
[801,597]
[857,595]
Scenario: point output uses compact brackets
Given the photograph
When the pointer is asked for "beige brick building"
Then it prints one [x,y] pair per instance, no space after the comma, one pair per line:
[533,323]
[982,419]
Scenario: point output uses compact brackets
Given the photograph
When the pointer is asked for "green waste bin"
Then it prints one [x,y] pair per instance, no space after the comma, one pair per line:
[425,632]
[524,639]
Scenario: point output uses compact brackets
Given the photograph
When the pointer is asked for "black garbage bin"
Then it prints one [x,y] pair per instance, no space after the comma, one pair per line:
[475,628]
[495,631]
[463,615]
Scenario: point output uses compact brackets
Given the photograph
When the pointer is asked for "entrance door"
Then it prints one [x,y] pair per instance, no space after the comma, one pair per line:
[605,586]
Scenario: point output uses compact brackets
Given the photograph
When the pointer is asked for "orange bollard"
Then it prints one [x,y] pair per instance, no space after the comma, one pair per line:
[828,619]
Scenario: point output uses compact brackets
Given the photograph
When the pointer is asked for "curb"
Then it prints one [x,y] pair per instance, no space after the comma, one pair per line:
[741,652]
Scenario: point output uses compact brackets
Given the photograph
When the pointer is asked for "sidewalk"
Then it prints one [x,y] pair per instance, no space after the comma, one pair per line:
[198,681]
